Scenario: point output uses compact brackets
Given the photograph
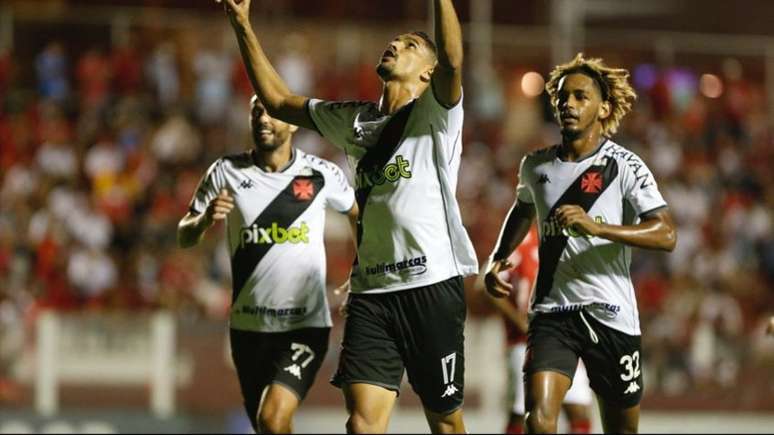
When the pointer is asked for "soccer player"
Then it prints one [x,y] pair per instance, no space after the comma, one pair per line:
[406,309]
[520,276]
[593,199]
[273,200]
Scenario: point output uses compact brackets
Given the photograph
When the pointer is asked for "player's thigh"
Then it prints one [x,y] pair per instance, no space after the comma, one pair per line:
[432,327]
[369,406]
[369,352]
[544,393]
[550,362]
[515,366]
[278,406]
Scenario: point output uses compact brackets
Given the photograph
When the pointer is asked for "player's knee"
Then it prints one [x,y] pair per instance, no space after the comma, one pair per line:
[538,421]
[274,422]
[358,423]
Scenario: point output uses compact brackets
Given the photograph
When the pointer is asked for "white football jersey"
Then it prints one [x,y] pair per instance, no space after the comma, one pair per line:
[614,186]
[411,231]
[275,237]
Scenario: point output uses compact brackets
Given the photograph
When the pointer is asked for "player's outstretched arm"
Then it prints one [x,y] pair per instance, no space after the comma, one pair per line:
[513,232]
[655,231]
[447,77]
[268,85]
[193,226]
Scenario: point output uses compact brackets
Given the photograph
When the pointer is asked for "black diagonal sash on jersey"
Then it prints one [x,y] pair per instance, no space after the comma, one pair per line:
[551,247]
[376,158]
[283,210]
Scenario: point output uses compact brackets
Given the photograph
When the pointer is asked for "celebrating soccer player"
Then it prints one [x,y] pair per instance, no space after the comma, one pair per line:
[273,199]
[406,310]
[593,199]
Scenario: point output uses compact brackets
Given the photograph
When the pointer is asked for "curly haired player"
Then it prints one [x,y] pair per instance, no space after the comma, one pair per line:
[594,199]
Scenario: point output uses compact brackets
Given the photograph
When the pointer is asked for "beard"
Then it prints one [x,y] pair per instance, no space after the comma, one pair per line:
[262,145]
[384,70]
[570,133]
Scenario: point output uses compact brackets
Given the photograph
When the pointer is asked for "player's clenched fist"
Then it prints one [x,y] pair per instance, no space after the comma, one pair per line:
[220,206]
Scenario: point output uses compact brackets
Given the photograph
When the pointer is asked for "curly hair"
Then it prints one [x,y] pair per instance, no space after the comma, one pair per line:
[613,85]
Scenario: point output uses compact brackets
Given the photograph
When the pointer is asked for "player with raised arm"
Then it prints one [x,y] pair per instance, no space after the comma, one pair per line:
[273,200]
[406,309]
[520,273]
[593,199]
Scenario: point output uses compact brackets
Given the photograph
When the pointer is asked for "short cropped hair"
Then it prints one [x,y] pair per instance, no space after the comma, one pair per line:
[613,85]
[429,42]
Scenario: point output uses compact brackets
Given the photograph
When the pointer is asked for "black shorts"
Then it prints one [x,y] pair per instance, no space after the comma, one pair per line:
[613,359]
[420,330]
[290,359]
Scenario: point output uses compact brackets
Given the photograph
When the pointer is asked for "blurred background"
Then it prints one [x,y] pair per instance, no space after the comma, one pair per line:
[110,114]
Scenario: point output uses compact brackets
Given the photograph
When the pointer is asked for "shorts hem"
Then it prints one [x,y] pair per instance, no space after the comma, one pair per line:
[555,370]
[447,412]
[623,404]
[338,383]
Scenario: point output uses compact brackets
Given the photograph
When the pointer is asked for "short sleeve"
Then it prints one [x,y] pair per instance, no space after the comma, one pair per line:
[208,188]
[639,187]
[340,196]
[334,120]
[447,120]
[523,192]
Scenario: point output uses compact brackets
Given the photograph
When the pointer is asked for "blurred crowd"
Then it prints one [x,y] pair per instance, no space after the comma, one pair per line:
[101,149]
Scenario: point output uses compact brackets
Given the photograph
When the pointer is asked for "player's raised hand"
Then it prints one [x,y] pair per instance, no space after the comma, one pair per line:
[576,219]
[495,285]
[236,9]
[220,206]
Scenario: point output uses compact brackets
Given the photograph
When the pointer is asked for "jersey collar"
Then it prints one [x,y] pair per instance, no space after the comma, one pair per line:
[586,157]
[288,165]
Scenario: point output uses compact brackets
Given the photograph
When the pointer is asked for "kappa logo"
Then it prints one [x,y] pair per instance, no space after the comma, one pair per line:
[294,370]
[246,184]
[450,391]
[632,388]
[303,190]
[543,179]
[591,182]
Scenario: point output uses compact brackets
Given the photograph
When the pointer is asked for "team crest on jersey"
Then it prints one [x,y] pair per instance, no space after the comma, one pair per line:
[303,189]
[591,182]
